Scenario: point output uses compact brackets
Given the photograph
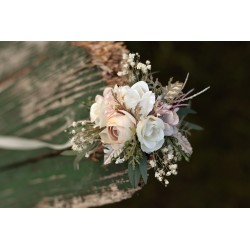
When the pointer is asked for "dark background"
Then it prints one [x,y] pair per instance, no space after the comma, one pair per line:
[218,174]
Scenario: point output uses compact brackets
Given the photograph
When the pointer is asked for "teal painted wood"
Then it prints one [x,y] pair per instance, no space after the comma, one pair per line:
[42,86]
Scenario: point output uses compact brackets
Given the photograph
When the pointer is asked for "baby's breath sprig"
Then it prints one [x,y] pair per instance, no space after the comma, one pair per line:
[133,69]
[84,138]
[164,163]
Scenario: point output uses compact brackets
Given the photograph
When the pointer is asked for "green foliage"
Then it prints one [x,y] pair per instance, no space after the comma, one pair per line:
[69,153]
[88,102]
[143,166]
[155,86]
[134,174]
[183,112]
[177,148]
[58,78]
[186,126]
[137,162]
[78,156]
[192,126]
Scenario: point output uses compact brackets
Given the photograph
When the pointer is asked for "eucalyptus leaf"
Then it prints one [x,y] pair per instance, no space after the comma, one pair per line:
[193,126]
[143,168]
[183,112]
[134,175]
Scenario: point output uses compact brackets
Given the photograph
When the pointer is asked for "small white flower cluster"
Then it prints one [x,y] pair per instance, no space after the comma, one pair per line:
[74,128]
[152,163]
[131,63]
[144,67]
[167,167]
[79,139]
[78,142]
[119,160]
[160,176]
[169,160]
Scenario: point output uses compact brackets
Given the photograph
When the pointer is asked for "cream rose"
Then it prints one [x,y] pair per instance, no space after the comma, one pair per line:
[121,92]
[118,129]
[139,94]
[150,133]
[97,112]
[103,108]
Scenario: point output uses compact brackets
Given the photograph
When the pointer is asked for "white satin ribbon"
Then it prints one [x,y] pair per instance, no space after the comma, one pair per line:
[17,143]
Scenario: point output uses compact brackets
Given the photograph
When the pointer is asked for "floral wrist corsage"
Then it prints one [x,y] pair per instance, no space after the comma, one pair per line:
[140,123]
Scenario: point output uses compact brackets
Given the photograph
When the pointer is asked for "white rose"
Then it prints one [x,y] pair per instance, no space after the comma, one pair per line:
[97,112]
[139,94]
[119,129]
[150,133]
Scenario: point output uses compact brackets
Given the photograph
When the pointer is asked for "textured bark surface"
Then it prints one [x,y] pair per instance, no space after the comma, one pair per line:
[42,86]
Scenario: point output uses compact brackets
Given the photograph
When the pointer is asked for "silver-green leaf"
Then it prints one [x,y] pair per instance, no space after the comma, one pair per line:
[183,112]
[193,126]
[143,168]
[134,175]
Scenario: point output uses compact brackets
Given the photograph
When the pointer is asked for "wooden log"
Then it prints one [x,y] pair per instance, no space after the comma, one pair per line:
[42,86]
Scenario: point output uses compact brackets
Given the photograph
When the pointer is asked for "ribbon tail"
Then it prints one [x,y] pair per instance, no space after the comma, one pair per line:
[17,143]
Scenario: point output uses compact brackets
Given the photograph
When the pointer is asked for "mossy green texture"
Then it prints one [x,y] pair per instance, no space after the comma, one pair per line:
[42,86]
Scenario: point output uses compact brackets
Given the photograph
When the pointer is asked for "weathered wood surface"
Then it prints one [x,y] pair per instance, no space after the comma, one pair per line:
[42,85]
